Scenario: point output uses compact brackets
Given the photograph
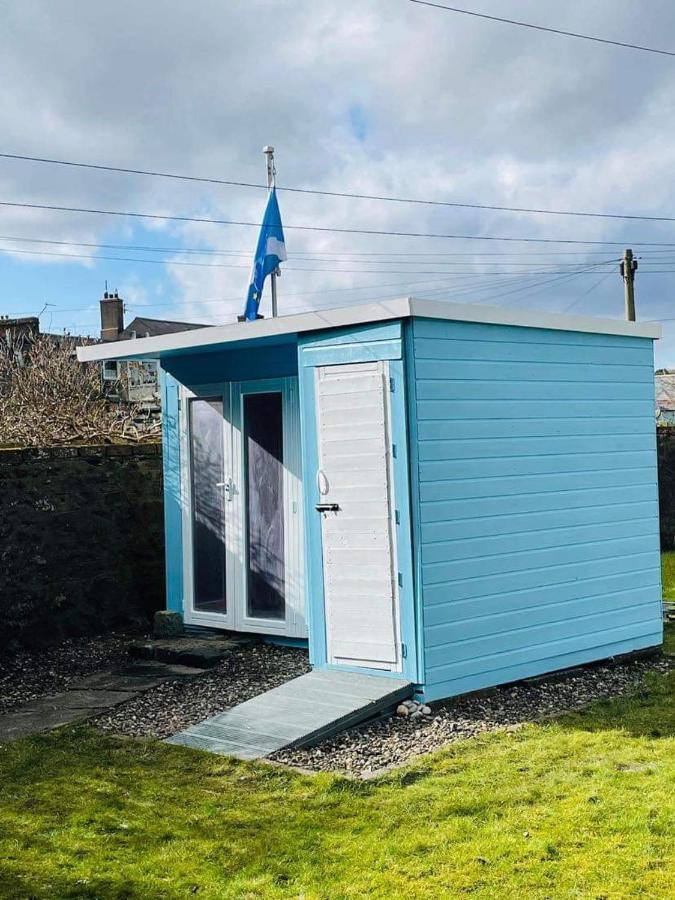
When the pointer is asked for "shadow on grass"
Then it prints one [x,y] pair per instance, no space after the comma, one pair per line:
[87,815]
[64,888]
[649,712]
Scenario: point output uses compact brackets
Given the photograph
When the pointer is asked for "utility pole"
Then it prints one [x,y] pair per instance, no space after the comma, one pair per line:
[271,173]
[628,268]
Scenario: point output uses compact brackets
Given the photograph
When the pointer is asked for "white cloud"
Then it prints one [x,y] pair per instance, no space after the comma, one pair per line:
[449,107]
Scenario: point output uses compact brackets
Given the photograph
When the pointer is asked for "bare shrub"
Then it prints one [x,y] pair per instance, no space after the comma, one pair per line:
[48,398]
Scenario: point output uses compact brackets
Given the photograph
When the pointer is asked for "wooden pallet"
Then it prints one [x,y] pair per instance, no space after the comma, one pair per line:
[300,712]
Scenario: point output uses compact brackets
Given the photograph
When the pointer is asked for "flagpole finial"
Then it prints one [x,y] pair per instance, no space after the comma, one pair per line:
[271,171]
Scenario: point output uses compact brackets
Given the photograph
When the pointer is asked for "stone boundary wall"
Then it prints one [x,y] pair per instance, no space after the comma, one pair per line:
[665,441]
[81,540]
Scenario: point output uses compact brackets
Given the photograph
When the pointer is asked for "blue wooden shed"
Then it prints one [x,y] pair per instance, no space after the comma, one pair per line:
[449,494]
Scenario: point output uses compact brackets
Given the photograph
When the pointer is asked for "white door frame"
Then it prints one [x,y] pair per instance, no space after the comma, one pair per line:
[191,615]
[294,625]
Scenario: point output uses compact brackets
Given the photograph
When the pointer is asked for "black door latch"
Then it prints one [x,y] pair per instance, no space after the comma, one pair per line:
[327,507]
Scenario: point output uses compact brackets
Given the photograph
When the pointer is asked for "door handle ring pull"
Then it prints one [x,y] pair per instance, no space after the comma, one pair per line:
[229,486]
[322,482]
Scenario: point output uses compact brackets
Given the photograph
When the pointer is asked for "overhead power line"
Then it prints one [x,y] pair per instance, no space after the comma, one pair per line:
[341,194]
[573,34]
[319,255]
[287,268]
[472,287]
[461,259]
[332,230]
[444,280]
[450,284]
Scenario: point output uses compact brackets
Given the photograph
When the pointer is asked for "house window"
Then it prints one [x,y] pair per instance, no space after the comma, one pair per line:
[110,370]
[142,372]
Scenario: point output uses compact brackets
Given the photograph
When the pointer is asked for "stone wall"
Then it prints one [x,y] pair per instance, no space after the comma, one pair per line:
[665,438]
[81,540]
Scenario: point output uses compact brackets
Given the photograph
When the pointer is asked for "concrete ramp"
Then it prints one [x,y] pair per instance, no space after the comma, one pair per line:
[302,711]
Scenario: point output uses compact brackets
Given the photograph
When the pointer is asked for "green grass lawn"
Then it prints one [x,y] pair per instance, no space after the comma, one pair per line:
[668,575]
[582,808]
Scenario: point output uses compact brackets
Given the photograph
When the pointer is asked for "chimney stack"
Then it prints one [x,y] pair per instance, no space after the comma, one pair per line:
[112,316]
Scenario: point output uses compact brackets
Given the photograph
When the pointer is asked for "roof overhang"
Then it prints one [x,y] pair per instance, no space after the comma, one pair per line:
[275,330]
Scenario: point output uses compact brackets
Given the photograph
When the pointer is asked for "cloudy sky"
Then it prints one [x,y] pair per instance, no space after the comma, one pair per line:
[366,96]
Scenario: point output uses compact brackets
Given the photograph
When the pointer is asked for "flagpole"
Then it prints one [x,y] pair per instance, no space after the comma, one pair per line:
[269,153]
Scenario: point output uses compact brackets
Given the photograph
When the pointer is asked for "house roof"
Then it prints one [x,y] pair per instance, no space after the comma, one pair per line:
[142,326]
[23,322]
[665,391]
[318,320]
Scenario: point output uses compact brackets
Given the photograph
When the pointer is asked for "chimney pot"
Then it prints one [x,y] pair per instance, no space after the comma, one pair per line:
[112,316]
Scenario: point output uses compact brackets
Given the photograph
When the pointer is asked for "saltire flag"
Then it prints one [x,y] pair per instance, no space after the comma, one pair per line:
[271,250]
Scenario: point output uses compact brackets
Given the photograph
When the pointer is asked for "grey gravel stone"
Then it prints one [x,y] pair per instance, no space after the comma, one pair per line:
[192,695]
[174,705]
[374,747]
[33,675]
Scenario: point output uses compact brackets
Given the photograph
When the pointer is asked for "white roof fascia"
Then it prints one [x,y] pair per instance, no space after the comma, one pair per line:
[148,348]
[531,318]
[316,320]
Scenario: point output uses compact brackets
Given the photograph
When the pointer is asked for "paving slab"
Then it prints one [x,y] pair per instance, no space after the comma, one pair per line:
[41,715]
[119,681]
[82,699]
[189,651]
[89,696]
[163,670]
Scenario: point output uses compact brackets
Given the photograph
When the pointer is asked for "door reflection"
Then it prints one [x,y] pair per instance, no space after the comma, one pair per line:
[264,485]
[208,509]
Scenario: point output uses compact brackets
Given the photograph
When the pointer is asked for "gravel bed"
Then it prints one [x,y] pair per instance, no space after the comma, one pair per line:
[34,674]
[362,751]
[173,705]
[390,741]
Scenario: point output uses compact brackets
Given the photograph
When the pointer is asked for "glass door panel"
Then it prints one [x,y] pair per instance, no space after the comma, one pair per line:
[264,493]
[207,475]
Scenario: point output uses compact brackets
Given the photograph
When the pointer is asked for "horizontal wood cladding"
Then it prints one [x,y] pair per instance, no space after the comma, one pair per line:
[538,509]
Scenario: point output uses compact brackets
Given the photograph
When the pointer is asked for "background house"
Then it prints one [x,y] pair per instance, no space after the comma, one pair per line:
[665,397]
[134,381]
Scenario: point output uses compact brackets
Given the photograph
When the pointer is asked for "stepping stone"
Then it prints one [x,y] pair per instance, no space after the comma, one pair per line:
[118,681]
[81,699]
[41,715]
[89,696]
[164,671]
[202,653]
[204,657]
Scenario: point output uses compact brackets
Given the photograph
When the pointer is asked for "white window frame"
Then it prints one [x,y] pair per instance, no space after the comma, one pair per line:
[294,625]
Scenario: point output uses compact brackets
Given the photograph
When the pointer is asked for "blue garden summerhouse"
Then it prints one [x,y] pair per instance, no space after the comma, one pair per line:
[454,495]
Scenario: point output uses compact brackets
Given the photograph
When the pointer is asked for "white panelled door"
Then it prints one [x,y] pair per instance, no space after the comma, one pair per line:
[357,515]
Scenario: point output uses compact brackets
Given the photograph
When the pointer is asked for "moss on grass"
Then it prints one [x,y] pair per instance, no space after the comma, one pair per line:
[580,808]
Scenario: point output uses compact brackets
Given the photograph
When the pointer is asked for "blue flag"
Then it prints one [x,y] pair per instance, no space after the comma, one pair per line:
[271,250]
